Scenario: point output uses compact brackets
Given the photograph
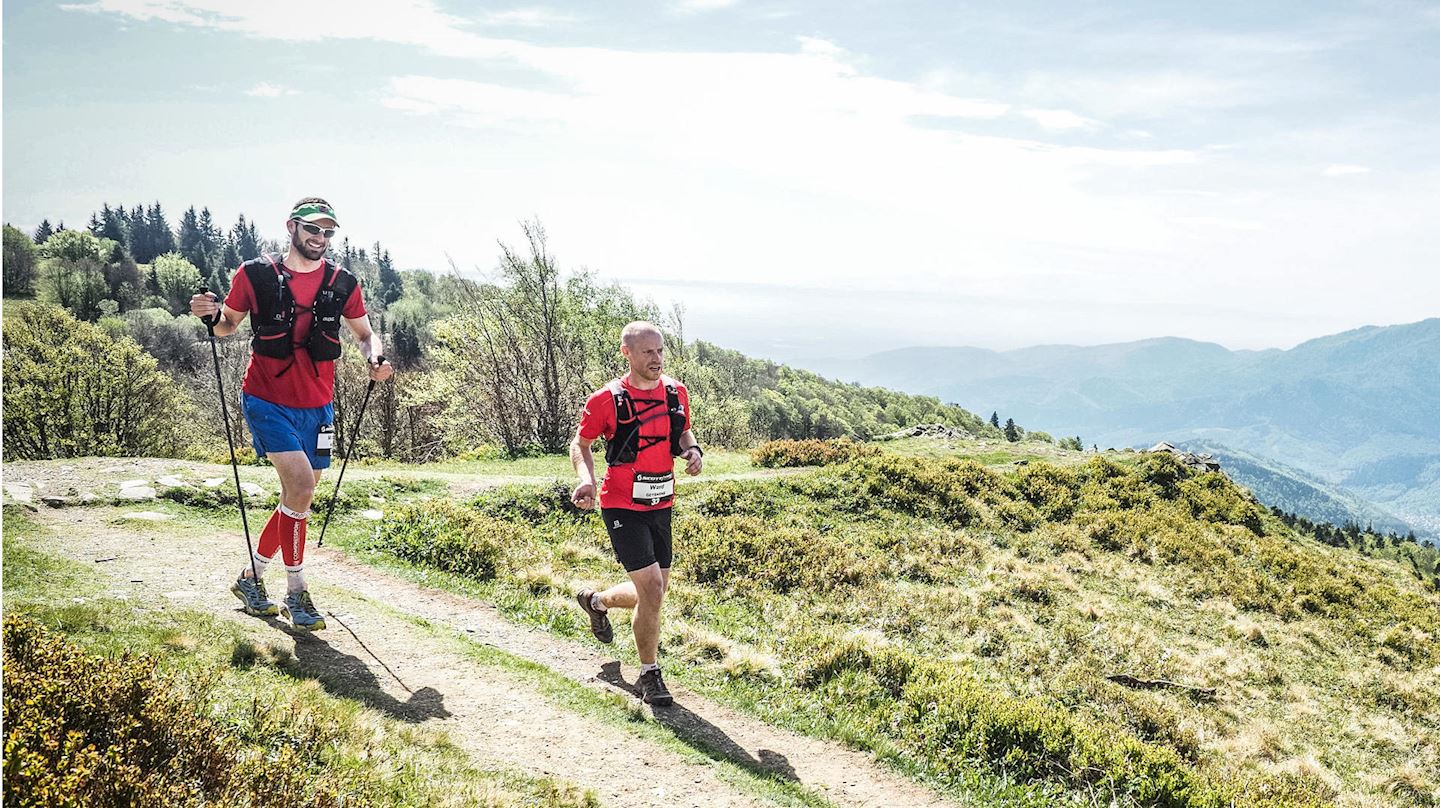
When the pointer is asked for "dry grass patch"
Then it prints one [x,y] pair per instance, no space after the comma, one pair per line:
[1250,631]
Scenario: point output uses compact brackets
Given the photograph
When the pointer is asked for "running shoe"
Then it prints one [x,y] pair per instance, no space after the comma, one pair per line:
[301,612]
[252,593]
[653,690]
[599,621]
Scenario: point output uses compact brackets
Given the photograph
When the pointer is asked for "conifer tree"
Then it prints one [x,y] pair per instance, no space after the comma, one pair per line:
[112,224]
[246,240]
[162,239]
[43,232]
[191,243]
[391,285]
[1012,432]
[995,419]
[137,232]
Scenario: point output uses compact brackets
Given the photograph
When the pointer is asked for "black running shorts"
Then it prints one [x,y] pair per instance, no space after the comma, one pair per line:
[640,538]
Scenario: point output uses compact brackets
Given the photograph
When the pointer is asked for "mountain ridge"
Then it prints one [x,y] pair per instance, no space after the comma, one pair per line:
[1354,409]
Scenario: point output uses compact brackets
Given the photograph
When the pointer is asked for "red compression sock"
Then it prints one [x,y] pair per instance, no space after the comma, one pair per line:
[270,537]
[290,532]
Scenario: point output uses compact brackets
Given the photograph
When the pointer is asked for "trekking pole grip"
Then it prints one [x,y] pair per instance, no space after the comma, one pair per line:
[208,321]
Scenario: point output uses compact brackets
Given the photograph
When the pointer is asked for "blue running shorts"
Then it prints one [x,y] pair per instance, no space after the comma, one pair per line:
[277,428]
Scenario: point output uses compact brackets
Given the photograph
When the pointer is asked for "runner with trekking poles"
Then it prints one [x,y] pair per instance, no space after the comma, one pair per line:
[296,304]
[644,417]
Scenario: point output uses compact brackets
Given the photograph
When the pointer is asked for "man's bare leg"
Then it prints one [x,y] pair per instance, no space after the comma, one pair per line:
[644,592]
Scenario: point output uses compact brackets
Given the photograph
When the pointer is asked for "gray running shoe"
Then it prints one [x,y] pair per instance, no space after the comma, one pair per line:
[599,621]
[653,690]
[252,593]
[301,612]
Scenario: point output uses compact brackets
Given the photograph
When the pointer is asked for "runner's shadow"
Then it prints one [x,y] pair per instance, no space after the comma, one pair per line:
[705,736]
[348,676]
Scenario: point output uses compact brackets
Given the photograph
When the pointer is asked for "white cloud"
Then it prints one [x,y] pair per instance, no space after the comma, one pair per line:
[1061,119]
[529,17]
[267,90]
[1344,170]
[696,6]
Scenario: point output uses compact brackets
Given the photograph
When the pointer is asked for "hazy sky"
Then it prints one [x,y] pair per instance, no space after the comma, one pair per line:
[807,181]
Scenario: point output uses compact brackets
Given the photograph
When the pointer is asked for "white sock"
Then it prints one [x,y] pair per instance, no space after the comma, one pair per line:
[261,562]
[646,667]
[597,604]
[295,579]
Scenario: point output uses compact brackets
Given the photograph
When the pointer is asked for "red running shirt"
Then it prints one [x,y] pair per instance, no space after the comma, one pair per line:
[598,420]
[306,383]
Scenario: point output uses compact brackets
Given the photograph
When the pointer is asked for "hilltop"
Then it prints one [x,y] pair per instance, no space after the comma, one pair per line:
[1354,410]
[1010,624]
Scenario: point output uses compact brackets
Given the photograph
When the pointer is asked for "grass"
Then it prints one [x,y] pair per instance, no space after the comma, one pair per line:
[1023,587]
[1028,588]
[204,681]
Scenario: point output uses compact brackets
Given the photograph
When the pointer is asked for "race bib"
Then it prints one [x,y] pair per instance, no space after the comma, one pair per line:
[653,489]
[325,440]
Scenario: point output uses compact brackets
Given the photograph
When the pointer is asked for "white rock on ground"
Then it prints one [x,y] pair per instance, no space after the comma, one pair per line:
[171,481]
[133,483]
[214,482]
[139,492]
[251,489]
[148,516]
[372,514]
[20,492]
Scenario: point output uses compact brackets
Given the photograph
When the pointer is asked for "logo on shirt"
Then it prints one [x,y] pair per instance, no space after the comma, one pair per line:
[617,525]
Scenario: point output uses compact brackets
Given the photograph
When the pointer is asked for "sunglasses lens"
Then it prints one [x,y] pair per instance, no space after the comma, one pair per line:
[317,230]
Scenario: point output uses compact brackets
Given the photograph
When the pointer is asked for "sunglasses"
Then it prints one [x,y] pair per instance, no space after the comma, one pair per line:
[315,229]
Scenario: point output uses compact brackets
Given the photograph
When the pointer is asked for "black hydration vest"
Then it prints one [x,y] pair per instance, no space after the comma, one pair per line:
[273,321]
[627,442]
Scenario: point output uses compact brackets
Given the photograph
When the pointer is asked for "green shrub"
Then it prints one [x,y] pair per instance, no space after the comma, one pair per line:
[73,391]
[746,552]
[451,537]
[954,722]
[530,504]
[762,498]
[83,730]
[795,453]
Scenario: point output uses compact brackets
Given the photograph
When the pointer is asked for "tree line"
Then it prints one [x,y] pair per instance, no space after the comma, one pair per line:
[502,360]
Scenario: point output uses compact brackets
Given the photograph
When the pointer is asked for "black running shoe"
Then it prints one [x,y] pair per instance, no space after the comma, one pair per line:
[599,621]
[653,690]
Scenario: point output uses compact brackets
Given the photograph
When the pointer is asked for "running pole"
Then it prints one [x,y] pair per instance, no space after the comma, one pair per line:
[349,447]
[230,439]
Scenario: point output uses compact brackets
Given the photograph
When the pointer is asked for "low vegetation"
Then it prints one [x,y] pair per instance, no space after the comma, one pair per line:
[107,703]
[1116,628]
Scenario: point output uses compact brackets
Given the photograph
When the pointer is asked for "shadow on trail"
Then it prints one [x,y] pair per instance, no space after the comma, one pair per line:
[348,676]
[705,736]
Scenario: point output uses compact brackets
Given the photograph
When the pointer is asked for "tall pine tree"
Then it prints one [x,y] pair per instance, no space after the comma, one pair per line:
[391,285]
[191,242]
[43,232]
[112,224]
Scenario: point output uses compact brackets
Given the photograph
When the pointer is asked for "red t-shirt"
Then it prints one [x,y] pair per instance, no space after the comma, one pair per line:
[306,383]
[598,420]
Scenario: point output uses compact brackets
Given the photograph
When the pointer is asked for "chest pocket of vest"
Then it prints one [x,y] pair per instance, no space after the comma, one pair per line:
[323,344]
[274,316]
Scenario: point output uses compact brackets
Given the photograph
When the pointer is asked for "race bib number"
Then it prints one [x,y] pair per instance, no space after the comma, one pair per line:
[325,440]
[653,489]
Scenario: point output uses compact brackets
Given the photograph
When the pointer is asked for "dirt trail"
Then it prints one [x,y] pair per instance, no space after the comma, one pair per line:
[372,655]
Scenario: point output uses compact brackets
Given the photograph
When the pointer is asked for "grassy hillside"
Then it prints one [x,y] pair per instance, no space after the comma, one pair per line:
[1097,628]
[111,701]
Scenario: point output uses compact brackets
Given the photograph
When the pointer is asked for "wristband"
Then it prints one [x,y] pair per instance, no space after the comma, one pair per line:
[696,447]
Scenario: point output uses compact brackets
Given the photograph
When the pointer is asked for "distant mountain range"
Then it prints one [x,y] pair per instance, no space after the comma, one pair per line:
[1356,413]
